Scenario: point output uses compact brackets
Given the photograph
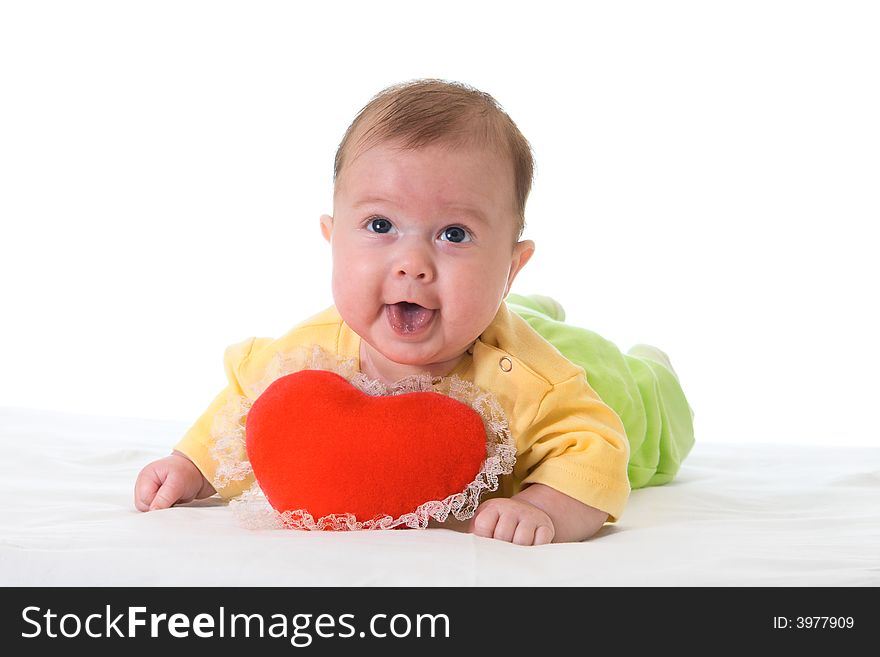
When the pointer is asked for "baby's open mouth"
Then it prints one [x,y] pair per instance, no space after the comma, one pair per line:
[408,318]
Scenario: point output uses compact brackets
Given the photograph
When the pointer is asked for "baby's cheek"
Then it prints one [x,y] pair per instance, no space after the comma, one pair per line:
[352,291]
[481,311]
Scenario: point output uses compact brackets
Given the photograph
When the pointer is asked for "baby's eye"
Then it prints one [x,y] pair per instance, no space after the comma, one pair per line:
[455,234]
[379,225]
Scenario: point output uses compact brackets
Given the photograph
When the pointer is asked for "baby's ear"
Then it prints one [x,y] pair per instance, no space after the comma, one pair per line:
[326,226]
[522,253]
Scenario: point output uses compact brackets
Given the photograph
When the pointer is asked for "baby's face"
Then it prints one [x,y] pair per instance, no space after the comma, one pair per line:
[424,249]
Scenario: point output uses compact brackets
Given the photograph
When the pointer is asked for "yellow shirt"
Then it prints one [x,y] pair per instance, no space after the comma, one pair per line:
[566,437]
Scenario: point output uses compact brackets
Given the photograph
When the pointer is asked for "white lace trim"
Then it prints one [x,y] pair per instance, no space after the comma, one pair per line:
[253,509]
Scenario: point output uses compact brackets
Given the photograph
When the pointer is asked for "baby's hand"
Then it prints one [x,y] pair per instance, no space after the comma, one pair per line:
[168,481]
[513,521]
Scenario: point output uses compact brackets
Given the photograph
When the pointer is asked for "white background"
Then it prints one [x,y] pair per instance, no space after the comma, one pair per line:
[708,181]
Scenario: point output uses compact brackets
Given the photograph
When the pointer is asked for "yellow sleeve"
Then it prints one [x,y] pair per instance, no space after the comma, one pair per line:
[577,445]
[197,441]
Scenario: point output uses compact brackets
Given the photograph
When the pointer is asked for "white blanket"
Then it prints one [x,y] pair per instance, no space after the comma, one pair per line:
[736,515]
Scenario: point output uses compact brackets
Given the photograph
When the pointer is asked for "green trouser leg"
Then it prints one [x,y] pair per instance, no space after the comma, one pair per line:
[640,386]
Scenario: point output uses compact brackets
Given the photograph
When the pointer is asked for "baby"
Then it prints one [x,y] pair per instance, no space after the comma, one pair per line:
[431,181]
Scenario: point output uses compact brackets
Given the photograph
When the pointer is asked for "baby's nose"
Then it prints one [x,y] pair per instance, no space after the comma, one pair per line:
[414,263]
[422,273]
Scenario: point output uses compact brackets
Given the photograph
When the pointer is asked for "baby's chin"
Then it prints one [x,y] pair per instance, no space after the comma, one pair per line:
[419,357]
[413,356]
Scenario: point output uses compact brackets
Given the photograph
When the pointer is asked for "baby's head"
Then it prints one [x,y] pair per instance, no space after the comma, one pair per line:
[430,186]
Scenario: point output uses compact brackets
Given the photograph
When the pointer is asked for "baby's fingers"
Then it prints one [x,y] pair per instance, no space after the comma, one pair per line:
[544,535]
[485,521]
[506,526]
[145,488]
[525,534]
[169,492]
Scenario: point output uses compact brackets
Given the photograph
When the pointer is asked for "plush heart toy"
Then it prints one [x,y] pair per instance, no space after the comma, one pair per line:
[316,443]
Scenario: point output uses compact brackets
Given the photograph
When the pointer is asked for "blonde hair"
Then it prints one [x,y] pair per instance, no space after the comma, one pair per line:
[425,111]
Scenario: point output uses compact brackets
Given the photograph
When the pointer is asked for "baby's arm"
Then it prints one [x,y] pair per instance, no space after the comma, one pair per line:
[573,520]
[168,481]
[537,515]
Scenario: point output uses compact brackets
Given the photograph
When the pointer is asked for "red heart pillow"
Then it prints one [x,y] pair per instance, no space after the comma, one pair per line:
[317,443]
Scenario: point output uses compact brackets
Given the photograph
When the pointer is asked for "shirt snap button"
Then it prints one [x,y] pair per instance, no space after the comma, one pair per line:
[506,364]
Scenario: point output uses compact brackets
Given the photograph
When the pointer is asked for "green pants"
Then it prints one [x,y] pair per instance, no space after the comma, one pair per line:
[640,386]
